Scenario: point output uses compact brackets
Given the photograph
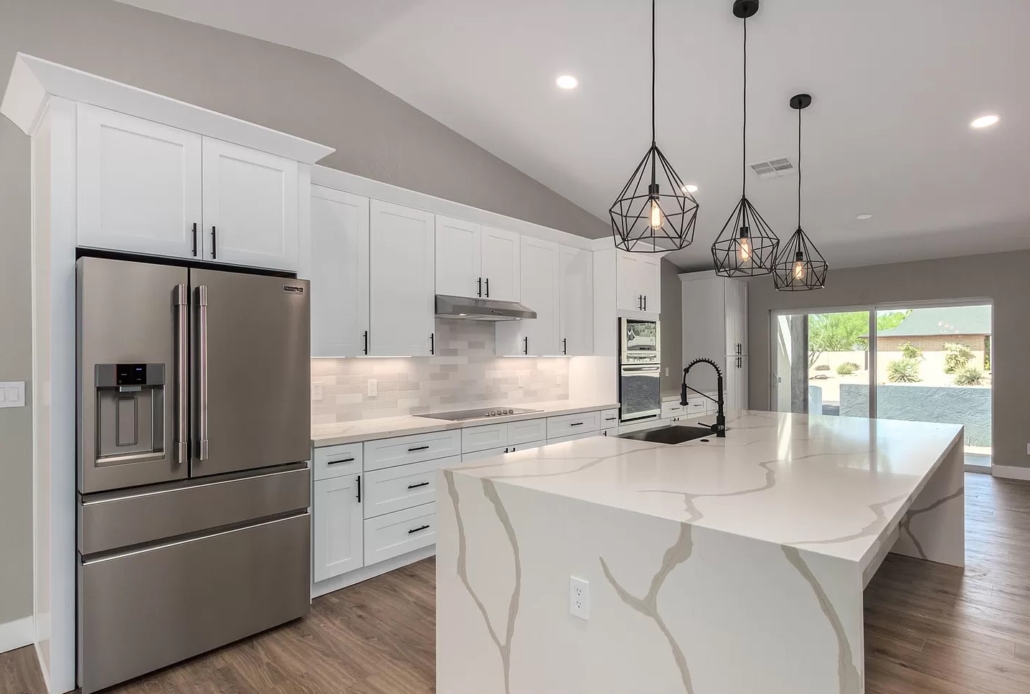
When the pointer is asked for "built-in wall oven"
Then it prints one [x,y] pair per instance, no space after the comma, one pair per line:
[640,370]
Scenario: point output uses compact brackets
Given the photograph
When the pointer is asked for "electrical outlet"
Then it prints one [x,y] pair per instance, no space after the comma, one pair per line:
[1028,449]
[316,391]
[666,371]
[373,387]
[522,383]
[579,597]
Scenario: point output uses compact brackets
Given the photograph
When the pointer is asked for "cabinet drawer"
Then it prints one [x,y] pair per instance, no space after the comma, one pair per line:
[479,455]
[573,437]
[527,445]
[567,425]
[404,486]
[397,533]
[337,461]
[482,438]
[696,406]
[609,418]
[673,409]
[411,449]
[528,431]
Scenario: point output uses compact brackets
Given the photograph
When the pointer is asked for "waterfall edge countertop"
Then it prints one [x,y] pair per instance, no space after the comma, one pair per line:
[358,430]
[723,565]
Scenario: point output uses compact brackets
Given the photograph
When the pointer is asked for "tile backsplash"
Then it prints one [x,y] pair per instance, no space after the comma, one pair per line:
[464,374]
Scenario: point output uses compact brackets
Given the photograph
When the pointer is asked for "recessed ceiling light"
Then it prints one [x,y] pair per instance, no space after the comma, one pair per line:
[567,82]
[864,217]
[984,121]
[690,188]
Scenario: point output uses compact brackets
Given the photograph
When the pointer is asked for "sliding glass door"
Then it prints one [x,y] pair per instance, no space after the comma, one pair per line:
[914,363]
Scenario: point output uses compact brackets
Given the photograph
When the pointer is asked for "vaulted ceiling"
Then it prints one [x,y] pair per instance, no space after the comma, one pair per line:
[895,85]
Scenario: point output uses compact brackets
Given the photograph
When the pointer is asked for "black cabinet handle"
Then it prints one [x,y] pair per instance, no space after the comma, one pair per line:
[359,489]
[564,346]
[645,302]
[420,484]
[214,243]
[640,302]
[526,338]
[418,448]
[479,291]
[366,342]
[576,424]
[487,287]
[418,529]
[341,460]
[194,239]
[432,343]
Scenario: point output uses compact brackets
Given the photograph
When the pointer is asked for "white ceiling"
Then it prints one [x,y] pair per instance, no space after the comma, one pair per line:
[895,84]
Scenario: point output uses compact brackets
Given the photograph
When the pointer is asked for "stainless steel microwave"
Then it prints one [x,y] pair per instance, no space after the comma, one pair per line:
[640,341]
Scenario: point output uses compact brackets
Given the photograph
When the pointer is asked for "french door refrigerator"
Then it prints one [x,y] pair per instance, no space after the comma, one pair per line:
[193,436]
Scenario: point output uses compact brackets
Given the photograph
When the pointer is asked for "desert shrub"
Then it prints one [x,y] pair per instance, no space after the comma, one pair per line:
[956,358]
[903,371]
[969,376]
[847,368]
[910,352]
[822,367]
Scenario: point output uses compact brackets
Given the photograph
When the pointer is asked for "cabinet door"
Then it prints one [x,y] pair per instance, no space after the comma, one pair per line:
[339,273]
[628,281]
[339,531]
[736,383]
[540,292]
[458,270]
[250,207]
[501,264]
[650,282]
[736,317]
[402,281]
[577,302]
[139,184]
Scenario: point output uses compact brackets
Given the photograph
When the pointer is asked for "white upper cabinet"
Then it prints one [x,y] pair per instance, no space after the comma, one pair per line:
[139,185]
[339,273]
[476,261]
[458,258]
[501,256]
[715,326]
[736,317]
[402,281]
[541,290]
[638,281]
[250,207]
[577,302]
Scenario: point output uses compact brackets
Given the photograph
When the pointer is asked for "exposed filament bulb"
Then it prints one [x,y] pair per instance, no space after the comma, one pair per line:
[799,265]
[656,215]
[745,245]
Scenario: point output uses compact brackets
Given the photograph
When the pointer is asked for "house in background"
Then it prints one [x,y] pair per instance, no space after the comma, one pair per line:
[932,330]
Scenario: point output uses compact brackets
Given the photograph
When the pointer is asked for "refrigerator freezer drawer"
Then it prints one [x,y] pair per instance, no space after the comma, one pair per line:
[145,610]
[116,520]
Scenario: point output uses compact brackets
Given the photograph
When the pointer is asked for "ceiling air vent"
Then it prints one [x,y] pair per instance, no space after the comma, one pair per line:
[780,166]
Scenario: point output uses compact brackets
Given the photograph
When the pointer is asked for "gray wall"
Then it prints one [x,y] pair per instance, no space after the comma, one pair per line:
[1003,277]
[672,327]
[375,134]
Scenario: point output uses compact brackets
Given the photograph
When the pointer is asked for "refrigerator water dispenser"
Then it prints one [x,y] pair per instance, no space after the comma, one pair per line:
[130,413]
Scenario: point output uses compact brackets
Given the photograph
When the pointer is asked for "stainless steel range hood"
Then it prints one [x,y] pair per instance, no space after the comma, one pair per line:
[464,308]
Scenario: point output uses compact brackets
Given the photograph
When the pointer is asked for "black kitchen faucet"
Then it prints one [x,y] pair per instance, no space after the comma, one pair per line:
[719,428]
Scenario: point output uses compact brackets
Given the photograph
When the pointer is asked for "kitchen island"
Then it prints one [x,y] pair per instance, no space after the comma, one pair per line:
[717,566]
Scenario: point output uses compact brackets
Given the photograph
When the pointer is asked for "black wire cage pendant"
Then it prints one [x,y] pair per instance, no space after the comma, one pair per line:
[746,246]
[800,267]
[654,213]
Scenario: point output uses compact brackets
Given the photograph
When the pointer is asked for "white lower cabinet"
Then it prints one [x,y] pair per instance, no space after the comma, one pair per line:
[573,424]
[485,453]
[338,533]
[397,488]
[397,533]
[574,437]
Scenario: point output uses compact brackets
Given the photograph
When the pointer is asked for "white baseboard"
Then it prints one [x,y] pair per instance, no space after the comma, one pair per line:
[1011,472]
[16,634]
[363,574]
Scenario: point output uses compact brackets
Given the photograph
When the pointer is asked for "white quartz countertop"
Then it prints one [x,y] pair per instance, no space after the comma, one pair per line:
[831,485]
[371,429]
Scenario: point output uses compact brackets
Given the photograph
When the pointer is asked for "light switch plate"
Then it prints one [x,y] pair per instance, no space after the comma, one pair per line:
[316,391]
[373,387]
[12,394]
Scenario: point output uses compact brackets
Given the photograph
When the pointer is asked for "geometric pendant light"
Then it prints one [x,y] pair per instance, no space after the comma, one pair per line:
[799,266]
[747,245]
[655,212]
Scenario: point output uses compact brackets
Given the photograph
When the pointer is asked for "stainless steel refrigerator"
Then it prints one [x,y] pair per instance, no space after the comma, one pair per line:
[193,436]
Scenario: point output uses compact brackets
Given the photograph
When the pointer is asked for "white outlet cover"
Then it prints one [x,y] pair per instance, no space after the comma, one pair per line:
[579,597]
[373,387]
[316,391]
[12,394]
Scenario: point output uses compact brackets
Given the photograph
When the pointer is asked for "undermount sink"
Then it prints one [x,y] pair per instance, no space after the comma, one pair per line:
[670,435]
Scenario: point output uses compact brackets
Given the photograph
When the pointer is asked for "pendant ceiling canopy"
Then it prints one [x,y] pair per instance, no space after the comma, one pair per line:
[654,213]
[799,266]
[747,245]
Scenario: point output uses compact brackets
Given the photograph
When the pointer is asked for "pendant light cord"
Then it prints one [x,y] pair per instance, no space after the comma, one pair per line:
[799,167]
[652,70]
[743,163]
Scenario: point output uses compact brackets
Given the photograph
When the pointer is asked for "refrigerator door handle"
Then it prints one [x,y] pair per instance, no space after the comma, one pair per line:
[181,377]
[202,442]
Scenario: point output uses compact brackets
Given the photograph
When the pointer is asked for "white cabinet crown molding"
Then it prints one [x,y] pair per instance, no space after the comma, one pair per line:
[34,80]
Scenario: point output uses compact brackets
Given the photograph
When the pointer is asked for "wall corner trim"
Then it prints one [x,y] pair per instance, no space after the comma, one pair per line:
[17,634]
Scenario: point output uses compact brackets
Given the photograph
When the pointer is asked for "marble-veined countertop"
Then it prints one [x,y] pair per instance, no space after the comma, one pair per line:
[832,485]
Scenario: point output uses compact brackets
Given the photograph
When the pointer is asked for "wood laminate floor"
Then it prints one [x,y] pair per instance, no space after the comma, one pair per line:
[930,629]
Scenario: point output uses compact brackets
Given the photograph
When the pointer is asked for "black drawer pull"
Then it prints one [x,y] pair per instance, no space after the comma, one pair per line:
[341,460]
[420,484]
[419,529]
[418,448]
[359,489]
[576,424]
